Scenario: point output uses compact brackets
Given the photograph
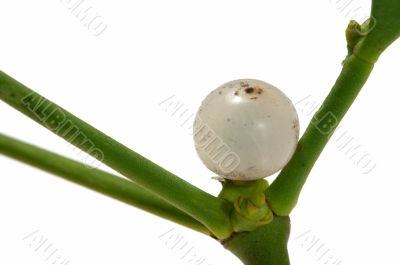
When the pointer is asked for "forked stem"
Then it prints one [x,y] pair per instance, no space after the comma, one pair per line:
[212,212]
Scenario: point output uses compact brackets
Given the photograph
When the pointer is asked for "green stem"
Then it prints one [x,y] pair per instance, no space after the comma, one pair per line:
[285,190]
[212,212]
[97,180]
[267,245]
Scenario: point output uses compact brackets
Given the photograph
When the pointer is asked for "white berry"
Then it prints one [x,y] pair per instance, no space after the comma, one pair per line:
[245,130]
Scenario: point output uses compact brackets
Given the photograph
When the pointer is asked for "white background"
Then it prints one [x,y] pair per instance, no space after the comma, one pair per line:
[154,49]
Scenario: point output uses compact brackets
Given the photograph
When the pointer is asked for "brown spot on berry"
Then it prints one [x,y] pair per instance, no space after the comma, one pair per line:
[249,90]
[254,90]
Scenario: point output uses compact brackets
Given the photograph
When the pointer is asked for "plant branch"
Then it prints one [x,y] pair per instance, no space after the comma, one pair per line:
[366,43]
[285,190]
[212,212]
[97,180]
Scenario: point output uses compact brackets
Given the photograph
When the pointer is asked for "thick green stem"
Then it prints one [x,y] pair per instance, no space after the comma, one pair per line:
[385,29]
[285,190]
[97,180]
[267,245]
[210,211]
